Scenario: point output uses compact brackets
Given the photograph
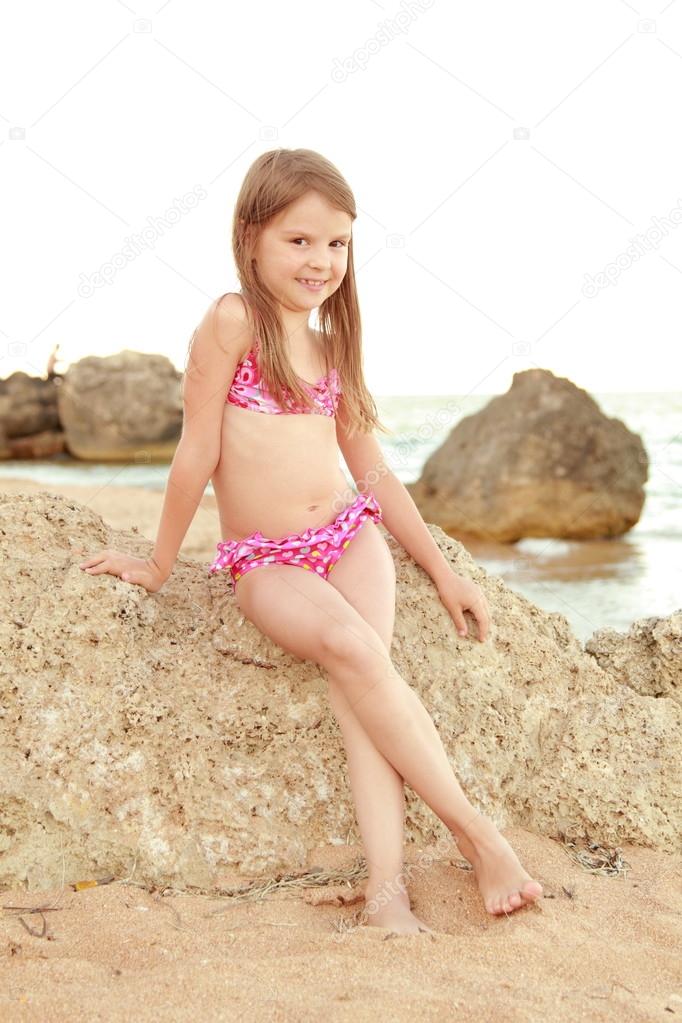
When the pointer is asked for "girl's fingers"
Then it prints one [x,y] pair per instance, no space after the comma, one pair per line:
[483,621]
[113,564]
[94,559]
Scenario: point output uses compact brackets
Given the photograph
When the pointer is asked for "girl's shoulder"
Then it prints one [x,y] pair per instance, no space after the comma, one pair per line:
[233,306]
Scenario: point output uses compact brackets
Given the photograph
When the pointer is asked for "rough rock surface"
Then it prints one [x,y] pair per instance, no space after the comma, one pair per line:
[162,734]
[540,460]
[121,407]
[29,422]
[648,658]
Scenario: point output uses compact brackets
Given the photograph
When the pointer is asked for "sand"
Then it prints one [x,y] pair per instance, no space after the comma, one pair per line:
[604,943]
[596,947]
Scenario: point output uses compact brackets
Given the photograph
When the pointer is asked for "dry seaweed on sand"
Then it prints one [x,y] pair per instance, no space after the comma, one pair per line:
[595,858]
[258,890]
[315,877]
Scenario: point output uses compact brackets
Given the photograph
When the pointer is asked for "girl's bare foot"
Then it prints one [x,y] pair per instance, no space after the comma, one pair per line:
[502,881]
[395,914]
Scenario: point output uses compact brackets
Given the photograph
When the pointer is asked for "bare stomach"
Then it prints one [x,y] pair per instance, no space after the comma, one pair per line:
[277,474]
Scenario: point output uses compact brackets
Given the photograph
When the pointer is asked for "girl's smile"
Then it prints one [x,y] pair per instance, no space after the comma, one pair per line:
[311,284]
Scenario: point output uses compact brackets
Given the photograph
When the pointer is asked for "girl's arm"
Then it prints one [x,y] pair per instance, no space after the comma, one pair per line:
[401,517]
[218,344]
[190,471]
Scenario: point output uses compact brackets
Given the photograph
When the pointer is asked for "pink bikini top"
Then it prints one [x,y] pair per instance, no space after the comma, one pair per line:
[248,390]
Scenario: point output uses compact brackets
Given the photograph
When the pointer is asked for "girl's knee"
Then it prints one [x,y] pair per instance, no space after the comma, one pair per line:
[352,646]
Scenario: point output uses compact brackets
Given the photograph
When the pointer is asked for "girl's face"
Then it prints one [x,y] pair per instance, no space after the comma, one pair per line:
[307,241]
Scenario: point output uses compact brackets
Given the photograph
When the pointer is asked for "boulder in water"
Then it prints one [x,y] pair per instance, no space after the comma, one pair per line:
[541,460]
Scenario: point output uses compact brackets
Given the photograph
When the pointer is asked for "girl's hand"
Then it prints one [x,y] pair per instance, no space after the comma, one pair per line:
[460,595]
[139,571]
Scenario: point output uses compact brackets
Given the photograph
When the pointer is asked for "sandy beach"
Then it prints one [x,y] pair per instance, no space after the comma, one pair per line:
[597,947]
[604,943]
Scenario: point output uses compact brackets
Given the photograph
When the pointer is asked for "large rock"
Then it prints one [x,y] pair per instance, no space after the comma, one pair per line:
[29,421]
[122,407]
[540,460]
[38,445]
[164,733]
[648,658]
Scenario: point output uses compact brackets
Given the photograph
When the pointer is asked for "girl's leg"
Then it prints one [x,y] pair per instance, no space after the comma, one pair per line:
[377,788]
[378,794]
[310,618]
[379,797]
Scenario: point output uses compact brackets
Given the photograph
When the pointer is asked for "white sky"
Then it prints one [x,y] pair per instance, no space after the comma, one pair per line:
[472,245]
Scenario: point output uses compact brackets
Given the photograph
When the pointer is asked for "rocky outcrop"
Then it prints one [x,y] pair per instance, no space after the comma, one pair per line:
[39,445]
[122,407]
[541,460]
[29,421]
[648,658]
[165,732]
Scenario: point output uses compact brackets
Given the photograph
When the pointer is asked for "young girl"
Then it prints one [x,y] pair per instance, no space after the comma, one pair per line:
[268,403]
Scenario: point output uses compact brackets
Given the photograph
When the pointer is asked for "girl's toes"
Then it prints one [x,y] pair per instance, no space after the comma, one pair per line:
[515,900]
[531,891]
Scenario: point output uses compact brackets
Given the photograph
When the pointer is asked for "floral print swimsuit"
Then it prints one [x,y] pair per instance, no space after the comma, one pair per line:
[315,549]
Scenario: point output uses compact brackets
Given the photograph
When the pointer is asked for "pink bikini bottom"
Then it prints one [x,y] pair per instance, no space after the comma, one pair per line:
[317,550]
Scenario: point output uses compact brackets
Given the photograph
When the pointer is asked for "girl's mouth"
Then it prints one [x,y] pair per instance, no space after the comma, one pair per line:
[311,284]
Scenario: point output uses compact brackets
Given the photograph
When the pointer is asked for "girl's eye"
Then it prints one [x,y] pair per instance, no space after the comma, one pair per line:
[342,244]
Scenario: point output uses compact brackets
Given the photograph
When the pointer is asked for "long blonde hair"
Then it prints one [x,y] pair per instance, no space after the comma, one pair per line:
[273,181]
